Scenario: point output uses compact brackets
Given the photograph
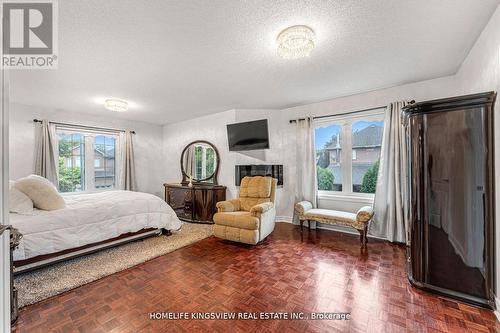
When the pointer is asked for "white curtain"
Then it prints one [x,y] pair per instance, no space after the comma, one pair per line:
[47,152]
[390,196]
[305,162]
[126,164]
[190,165]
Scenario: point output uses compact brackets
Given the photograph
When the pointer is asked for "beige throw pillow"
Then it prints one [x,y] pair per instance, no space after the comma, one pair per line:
[19,202]
[41,191]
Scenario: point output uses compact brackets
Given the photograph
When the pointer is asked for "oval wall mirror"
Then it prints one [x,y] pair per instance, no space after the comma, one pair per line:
[200,163]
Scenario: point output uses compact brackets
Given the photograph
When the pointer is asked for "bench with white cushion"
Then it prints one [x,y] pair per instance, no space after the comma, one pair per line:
[358,221]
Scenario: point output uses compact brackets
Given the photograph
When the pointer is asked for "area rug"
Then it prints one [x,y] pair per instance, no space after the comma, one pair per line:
[55,279]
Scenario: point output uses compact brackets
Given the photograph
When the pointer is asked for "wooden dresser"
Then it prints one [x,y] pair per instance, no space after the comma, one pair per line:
[195,203]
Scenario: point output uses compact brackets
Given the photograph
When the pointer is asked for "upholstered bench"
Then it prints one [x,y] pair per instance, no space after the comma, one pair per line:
[358,221]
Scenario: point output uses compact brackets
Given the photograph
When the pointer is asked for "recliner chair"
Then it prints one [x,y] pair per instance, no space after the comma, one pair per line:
[251,217]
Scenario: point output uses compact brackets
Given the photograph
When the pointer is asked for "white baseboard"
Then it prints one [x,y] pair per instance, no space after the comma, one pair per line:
[338,228]
[287,219]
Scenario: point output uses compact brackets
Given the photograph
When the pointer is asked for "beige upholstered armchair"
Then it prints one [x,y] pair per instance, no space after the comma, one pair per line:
[249,218]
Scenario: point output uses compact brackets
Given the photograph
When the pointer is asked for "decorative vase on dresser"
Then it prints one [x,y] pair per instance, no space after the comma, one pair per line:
[194,199]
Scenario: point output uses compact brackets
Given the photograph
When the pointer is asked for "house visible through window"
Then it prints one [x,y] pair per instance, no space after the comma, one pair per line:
[86,160]
[328,157]
[104,152]
[348,152]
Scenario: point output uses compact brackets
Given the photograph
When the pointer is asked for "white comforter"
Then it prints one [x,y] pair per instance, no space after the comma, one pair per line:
[90,218]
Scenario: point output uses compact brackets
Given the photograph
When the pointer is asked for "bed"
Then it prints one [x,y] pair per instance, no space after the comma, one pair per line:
[90,222]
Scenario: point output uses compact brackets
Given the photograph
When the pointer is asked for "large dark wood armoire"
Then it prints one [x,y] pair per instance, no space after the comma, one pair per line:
[451,197]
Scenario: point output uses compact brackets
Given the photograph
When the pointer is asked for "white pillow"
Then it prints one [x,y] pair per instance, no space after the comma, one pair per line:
[18,201]
[41,191]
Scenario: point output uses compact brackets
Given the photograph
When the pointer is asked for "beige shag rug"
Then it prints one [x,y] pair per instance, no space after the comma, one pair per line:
[52,280]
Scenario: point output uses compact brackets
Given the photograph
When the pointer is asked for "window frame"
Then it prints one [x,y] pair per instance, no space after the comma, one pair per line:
[345,121]
[89,155]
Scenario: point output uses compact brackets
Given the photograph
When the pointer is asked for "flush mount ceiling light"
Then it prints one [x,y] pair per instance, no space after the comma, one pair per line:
[116,105]
[295,42]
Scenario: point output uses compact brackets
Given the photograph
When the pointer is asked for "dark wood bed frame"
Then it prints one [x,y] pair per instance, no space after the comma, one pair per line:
[25,265]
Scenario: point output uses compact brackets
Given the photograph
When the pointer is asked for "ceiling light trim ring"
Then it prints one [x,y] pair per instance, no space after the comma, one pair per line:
[116,105]
[296,42]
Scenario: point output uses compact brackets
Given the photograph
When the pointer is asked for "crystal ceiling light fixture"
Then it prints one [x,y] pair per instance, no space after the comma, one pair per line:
[295,42]
[116,105]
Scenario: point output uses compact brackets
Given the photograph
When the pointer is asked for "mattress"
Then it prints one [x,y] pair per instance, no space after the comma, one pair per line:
[90,218]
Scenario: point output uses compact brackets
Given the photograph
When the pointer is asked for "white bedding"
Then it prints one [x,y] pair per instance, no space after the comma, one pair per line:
[90,218]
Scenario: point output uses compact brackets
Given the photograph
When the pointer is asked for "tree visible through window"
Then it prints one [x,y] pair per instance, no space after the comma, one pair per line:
[71,166]
[210,161]
[198,152]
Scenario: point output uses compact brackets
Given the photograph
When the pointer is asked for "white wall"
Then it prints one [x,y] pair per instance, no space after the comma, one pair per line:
[210,128]
[281,145]
[282,137]
[419,91]
[147,142]
[158,149]
[481,65]
[481,72]
[213,129]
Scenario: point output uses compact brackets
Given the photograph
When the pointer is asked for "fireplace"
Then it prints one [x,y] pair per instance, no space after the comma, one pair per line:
[275,171]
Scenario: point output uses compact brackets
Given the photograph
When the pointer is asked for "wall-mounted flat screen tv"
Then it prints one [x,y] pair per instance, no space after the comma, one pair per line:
[251,135]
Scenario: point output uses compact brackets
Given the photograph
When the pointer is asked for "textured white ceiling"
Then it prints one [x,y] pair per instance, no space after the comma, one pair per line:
[175,60]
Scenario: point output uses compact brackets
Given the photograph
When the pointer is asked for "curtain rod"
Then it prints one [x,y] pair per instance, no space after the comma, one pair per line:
[345,113]
[338,114]
[83,126]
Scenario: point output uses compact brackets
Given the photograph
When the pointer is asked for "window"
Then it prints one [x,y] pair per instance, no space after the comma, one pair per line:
[198,152]
[328,157]
[104,152]
[348,152]
[86,160]
[366,144]
[204,161]
[71,168]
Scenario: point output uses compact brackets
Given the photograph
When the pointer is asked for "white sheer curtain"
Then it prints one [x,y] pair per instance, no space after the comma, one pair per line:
[389,220]
[305,162]
[47,152]
[190,161]
[126,164]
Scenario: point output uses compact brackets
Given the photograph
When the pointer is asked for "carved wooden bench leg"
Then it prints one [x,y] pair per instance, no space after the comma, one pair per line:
[302,223]
[363,236]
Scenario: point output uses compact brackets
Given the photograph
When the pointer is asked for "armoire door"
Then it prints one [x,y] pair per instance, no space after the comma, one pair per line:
[451,191]
[454,181]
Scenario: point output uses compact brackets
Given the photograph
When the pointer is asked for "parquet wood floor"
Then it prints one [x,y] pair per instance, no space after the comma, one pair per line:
[291,271]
